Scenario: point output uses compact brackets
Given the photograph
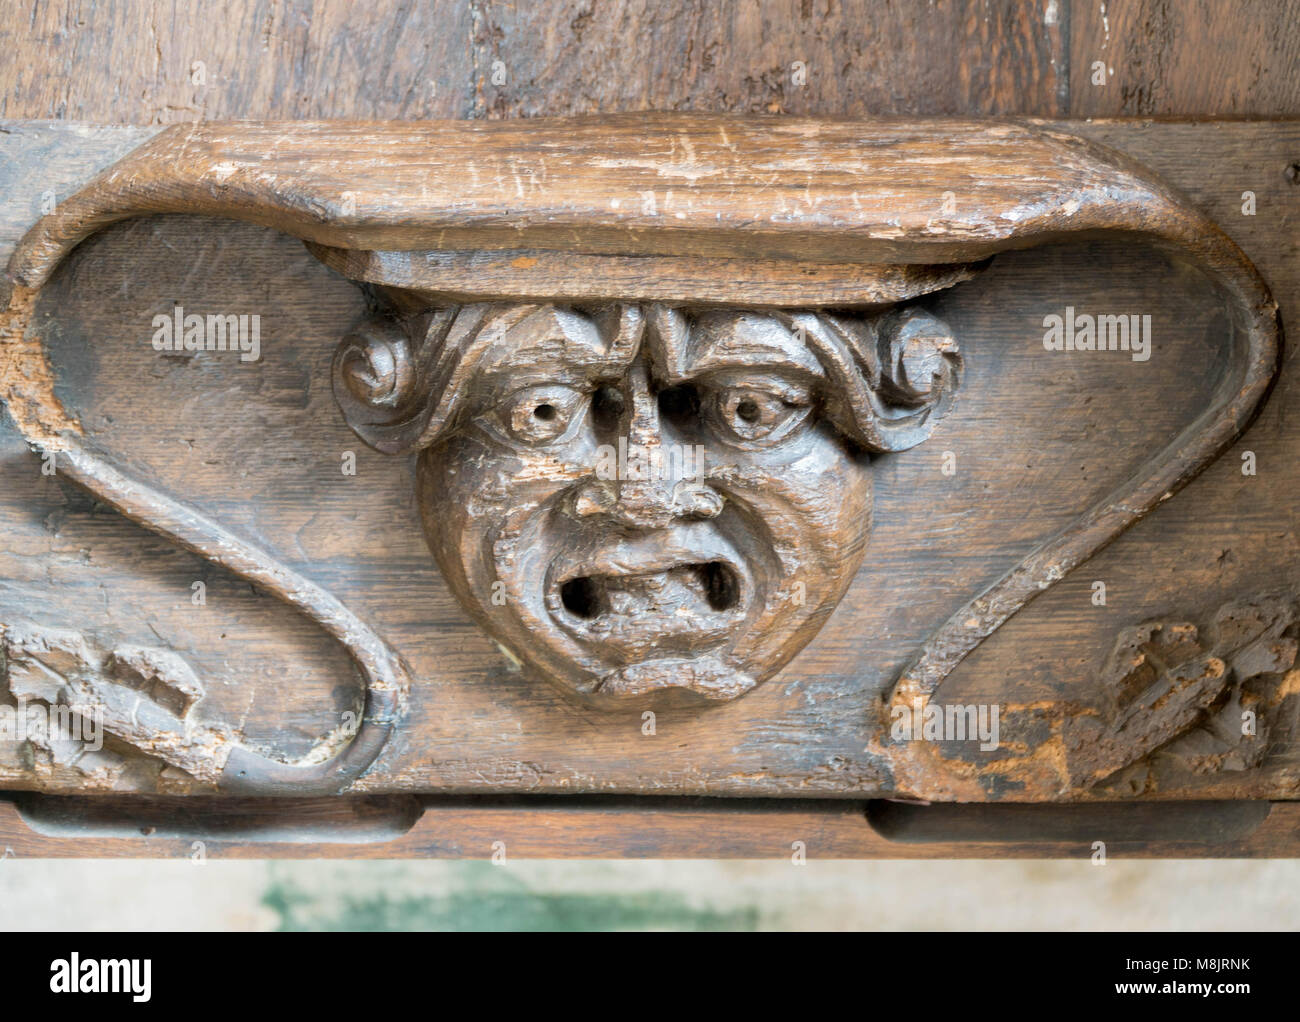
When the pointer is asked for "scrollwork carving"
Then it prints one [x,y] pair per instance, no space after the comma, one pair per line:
[141,696]
[1205,697]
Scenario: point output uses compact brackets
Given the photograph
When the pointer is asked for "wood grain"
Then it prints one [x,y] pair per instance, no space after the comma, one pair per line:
[792,56]
[139,63]
[789,189]
[133,62]
[937,538]
[1188,57]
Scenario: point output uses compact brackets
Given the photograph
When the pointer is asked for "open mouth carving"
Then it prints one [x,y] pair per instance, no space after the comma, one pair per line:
[651,594]
[709,586]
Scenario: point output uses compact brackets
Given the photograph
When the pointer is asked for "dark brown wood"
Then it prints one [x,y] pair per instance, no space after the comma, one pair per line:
[157,63]
[139,63]
[1198,57]
[792,56]
[307,60]
[837,744]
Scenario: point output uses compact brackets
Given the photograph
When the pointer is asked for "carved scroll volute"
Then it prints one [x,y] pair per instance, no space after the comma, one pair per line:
[524,333]
[375,368]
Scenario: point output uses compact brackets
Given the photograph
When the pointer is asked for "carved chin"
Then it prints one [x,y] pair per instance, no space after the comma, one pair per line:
[677,680]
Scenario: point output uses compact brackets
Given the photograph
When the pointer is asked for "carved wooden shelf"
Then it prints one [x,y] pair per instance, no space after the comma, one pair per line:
[651,456]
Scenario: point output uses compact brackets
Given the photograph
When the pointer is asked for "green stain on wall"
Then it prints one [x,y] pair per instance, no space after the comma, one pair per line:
[487,898]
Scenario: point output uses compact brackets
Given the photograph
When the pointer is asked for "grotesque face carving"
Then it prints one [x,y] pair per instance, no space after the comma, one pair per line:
[647,507]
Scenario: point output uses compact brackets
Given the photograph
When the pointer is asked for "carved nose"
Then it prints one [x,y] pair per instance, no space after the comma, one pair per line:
[647,504]
[654,504]
[650,488]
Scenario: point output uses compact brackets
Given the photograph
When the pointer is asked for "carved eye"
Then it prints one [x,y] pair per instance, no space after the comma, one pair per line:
[540,414]
[760,412]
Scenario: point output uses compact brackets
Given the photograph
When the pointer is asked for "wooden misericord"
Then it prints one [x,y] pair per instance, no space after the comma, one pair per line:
[653,455]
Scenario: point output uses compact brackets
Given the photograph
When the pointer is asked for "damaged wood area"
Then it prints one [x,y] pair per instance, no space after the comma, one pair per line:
[1182,709]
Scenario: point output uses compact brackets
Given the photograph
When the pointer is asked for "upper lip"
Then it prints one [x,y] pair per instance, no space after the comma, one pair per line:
[649,553]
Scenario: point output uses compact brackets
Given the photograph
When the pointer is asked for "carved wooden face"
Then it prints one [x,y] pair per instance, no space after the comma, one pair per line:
[650,509]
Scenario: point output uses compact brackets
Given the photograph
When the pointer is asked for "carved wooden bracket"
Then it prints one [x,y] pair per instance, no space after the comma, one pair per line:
[647,364]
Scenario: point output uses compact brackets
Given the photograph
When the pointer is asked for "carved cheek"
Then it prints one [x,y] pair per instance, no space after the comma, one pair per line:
[815,510]
[482,503]
[447,487]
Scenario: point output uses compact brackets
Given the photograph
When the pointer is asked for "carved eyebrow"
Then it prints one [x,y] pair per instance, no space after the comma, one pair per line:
[571,352]
[747,342]
[499,381]
[575,367]
[721,341]
[758,362]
